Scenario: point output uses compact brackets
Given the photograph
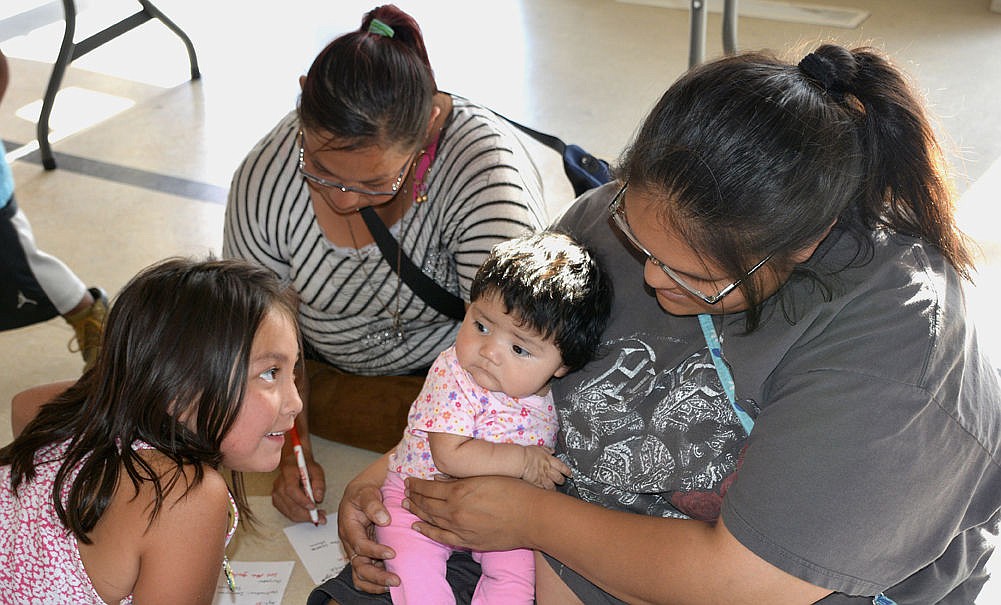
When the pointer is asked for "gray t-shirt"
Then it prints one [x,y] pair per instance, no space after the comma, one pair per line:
[875,461]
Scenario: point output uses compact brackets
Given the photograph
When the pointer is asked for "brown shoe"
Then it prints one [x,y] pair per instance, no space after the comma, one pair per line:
[89,324]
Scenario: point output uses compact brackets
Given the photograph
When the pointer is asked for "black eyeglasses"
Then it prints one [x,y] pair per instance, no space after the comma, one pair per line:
[618,214]
[322,182]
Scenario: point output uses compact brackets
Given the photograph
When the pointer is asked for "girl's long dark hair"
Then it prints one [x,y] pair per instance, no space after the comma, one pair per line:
[177,343]
[753,155]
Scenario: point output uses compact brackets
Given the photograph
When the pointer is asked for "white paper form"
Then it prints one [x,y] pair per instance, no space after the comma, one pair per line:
[319,548]
[257,583]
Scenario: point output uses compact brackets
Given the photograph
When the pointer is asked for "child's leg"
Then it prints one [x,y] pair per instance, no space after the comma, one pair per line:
[508,577]
[47,278]
[25,299]
[419,561]
[37,286]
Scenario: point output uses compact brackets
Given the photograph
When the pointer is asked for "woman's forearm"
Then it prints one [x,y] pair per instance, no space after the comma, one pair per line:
[642,559]
[638,558]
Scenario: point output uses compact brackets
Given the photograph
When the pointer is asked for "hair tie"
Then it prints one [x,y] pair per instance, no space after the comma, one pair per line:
[824,72]
[378,27]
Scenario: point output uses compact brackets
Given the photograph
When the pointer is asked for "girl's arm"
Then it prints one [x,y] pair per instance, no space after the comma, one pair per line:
[4,74]
[652,560]
[24,406]
[462,456]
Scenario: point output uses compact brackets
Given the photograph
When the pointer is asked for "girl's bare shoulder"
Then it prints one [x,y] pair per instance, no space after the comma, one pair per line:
[129,543]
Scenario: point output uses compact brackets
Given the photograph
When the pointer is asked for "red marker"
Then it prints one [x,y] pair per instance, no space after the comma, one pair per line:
[300,460]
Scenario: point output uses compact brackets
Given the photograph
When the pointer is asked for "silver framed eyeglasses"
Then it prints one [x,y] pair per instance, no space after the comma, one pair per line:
[618,214]
[322,182]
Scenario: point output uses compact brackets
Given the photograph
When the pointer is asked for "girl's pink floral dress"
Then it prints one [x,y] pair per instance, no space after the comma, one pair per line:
[39,558]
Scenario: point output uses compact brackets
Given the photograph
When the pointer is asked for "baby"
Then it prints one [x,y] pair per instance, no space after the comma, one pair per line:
[538,307]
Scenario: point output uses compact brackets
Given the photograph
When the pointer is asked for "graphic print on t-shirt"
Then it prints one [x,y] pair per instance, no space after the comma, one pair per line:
[657,442]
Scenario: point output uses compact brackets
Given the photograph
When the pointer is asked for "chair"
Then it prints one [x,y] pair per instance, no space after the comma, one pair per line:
[70,51]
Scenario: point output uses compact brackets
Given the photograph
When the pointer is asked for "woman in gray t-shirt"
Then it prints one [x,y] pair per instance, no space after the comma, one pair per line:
[792,404]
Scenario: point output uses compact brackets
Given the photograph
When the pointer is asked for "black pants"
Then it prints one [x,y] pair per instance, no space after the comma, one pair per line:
[23,301]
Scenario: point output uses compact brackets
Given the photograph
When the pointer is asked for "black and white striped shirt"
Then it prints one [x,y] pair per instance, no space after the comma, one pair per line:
[483,188]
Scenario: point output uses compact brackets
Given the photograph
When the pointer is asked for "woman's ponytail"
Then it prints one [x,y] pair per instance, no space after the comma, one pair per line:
[904,185]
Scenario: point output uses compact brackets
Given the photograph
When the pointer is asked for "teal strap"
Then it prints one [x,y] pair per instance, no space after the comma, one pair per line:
[882,599]
[725,378]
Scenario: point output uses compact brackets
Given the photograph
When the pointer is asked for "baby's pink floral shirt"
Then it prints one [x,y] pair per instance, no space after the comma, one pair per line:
[451,402]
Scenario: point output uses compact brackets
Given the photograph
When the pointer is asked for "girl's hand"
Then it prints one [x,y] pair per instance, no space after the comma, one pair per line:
[361,509]
[542,468]
[483,513]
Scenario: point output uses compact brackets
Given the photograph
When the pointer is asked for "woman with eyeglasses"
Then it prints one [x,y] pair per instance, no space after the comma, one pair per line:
[447,179]
[792,405]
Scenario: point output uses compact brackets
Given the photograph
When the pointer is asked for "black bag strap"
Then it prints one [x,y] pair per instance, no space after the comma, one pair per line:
[548,140]
[584,170]
[423,286]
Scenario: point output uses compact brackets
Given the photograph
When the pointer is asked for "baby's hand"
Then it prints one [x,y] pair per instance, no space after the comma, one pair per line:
[542,468]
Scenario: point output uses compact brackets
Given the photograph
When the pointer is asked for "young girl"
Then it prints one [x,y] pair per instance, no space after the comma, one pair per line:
[113,492]
[538,307]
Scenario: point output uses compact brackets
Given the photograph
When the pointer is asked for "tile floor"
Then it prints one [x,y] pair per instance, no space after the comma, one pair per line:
[145,156]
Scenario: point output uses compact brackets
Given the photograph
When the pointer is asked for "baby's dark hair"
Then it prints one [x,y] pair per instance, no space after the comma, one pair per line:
[554,285]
